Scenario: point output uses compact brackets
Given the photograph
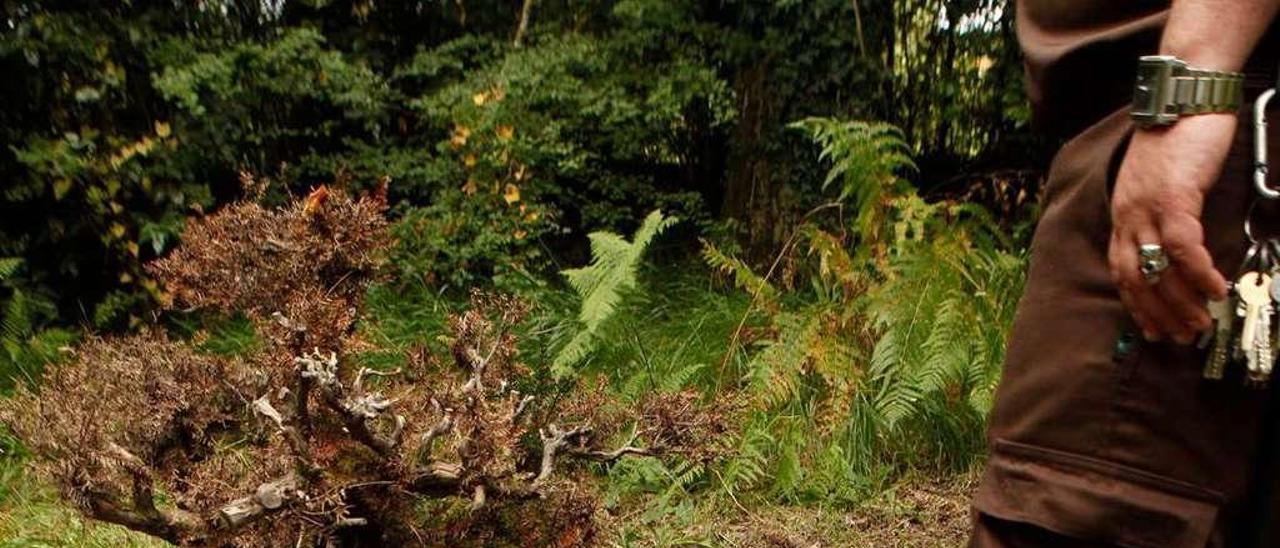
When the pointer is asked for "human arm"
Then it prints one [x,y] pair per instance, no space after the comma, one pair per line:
[1167,171]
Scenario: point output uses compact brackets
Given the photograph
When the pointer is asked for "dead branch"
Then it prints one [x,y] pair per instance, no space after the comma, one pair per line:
[610,456]
[520,406]
[354,413]
[477,366]
[437,477]
[268,497]
[144,516]
[553,440]
[429,437]
[358,385]
[297,445]
[478,498]
[143,497]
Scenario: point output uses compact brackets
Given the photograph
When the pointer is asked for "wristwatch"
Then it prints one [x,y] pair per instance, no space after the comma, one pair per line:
[1167,88]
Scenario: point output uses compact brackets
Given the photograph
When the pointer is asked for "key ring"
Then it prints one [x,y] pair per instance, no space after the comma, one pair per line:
[1252,254]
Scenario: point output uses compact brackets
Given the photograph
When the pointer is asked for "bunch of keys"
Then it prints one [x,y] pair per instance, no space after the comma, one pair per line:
[1251,303]
[1254,296]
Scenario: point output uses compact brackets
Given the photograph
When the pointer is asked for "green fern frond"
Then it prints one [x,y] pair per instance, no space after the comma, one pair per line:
[602,284]
[17,323]
[9,266]
[744,277]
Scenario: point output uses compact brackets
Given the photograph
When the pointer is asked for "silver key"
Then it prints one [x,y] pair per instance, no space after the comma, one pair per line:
[1254,289]
[1263,356]
[1223,314]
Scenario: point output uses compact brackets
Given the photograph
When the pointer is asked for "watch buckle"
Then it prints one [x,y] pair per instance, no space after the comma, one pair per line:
[1153,100]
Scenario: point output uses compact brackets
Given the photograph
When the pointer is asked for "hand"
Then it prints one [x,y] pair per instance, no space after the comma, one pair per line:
[1158,197]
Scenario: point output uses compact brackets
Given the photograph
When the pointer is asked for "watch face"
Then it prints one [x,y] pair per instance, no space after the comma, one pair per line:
[1149,91]
[1143,92]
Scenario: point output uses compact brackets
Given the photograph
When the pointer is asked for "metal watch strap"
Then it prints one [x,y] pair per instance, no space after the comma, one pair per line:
[1167,89]
[1199,91]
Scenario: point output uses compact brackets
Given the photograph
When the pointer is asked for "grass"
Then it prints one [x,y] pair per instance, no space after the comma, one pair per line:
[32,516]
[917,511]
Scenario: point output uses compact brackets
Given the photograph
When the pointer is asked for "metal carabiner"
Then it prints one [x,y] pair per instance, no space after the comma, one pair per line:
[1260,146]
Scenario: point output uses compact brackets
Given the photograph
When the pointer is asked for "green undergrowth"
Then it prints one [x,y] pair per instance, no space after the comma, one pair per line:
[32,515]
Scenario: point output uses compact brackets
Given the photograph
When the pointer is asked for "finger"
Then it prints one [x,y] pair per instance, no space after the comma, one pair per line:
[1144,301]
[1159,314]
[1185,302]
[1149,330]
[1115,250]
[1183,238]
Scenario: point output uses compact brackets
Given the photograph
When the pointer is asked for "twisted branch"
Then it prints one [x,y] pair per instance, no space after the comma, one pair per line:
[297,445]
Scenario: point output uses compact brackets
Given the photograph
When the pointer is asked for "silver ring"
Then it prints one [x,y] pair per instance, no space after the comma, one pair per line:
[1154,262]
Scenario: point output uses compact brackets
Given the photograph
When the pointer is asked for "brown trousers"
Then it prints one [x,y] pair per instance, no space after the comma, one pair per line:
[1098,438]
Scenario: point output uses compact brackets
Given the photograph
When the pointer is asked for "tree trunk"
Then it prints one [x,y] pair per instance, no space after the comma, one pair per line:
[525,12]
[750,196]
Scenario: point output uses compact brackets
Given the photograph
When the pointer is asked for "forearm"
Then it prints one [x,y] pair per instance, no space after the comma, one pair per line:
[1216,34]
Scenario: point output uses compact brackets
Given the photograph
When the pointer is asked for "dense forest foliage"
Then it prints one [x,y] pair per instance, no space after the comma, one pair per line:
[807,219]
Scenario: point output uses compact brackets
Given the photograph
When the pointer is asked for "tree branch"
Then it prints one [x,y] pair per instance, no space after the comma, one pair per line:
[268,497]
[554,439]
[297,445]
[355,413]
[429,437]
[437,477]
[610,456]
[526,11]
[142,515]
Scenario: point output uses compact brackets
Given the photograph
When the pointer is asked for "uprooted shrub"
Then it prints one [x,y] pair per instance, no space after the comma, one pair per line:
[294,444]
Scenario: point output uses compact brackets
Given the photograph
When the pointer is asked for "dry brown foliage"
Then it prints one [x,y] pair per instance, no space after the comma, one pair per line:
[295,445]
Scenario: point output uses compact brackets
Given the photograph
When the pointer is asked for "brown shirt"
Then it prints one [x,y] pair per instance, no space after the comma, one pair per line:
[1081,54]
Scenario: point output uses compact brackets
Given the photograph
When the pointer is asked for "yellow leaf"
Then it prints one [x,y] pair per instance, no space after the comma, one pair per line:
[132,247]
[61,187]
[117,230]
[469,160]
[984,64]
[520,234]
[470,187]
[531,217]
[125,278]
[506,132]
[144,146]
[162,129]
[480,98]
[459,136]
[512,195]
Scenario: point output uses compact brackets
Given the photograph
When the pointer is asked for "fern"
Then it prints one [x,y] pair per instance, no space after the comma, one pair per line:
[942,319]
[744,278]
[601,285]
[8,267]
[892,359]
[25,345]
[866,158]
